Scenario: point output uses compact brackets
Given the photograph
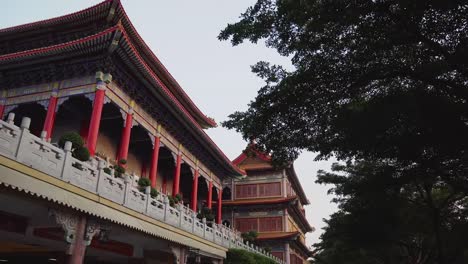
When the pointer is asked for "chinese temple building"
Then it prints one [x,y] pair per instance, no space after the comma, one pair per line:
[91,73]
[269,201]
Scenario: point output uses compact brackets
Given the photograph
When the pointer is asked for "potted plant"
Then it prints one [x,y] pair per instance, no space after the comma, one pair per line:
[119,170]
[144,183]
[79,151]
[206,213]
[107,170]
[173,200]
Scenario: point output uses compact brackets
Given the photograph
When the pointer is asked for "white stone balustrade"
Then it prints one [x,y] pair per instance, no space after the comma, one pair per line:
[19,144]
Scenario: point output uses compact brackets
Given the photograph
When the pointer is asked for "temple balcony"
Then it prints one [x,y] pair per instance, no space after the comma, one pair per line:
[32,164]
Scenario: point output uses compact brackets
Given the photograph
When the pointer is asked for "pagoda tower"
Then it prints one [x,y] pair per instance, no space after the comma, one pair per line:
[271,202]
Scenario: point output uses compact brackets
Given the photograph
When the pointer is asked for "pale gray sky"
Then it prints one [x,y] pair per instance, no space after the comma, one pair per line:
[182,33]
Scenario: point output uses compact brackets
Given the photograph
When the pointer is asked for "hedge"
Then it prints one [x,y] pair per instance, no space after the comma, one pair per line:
[240,256]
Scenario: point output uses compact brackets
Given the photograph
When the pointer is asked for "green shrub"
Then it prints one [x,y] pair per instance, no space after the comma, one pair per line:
[107,170]
[81,153]
[154,192]
[260,259]
[172,201]
[118,171]
[207,213]
[143,182]
[238,256]
[250,236]
[123,161]
[73,137]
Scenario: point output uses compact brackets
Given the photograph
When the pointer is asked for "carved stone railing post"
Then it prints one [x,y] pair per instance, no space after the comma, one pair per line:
[204,226]
[166,205]
[148,198]
[67,161]
[180,207]
[23,139]
[101,166]
[128,186]
[11,118]
[194,221]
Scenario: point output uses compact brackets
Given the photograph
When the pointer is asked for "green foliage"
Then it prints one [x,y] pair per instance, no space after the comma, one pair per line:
[122,161]
[81,153]
[173,200]
[386,215]
[250,236]
[381,83]
[73,137]
[206,213]
[371,79]
[143,182]
[119,171]
[154,193]
[237,256]
[107,170]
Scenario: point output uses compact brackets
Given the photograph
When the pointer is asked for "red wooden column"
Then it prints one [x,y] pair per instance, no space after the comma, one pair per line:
[176,182]
[127,130]
[50,117]
[210,194]
[195,190]
[154,161]
[78,248]
[98,104]
[219,205]
[2,108]
[3,103]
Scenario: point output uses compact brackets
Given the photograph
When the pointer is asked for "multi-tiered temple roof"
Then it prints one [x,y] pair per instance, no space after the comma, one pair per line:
[103,38]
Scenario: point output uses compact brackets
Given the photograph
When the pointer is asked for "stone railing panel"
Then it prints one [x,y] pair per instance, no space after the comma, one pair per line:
[9,137]
[198,228]
[39,154]
[111,188]
[209,233]
[155,209]
[187,217]
[172,215]
[218,237]
[82,175]
[135,199]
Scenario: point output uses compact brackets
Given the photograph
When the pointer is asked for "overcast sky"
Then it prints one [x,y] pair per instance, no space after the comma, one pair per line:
[217,76]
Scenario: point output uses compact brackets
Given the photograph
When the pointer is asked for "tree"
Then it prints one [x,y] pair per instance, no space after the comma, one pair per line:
[387,216]
[382,82]
[380,78]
